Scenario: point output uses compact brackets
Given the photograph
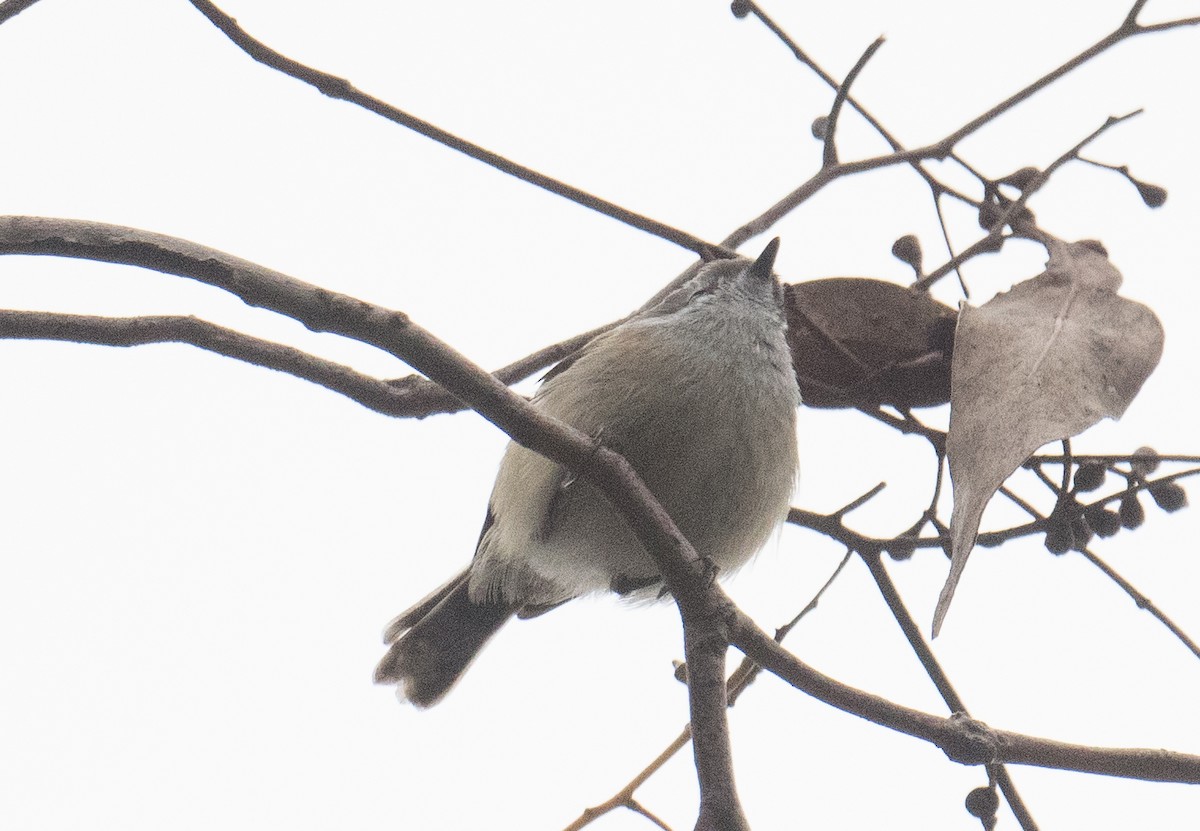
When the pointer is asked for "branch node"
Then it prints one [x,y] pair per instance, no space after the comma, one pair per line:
[969,741]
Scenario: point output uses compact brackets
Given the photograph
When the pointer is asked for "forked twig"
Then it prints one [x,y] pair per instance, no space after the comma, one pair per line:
[739,681]
[830,154]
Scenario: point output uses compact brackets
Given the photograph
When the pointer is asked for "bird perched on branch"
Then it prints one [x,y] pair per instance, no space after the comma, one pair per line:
[699,395]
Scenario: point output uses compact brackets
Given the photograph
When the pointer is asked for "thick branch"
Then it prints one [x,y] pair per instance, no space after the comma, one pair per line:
[706,644]
[425,399]
[12,8]
[741,678]
[963,740]
[412,397]
[699,601]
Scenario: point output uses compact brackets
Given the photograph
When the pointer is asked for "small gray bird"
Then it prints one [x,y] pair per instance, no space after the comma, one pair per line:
[698,393]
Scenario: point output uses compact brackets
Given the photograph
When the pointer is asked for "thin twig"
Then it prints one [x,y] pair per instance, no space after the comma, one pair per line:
[830,155]
[995,233]
[738,682]
[912,632]
[892,141]
[423,397]
[908,424]
[1140,600]
[1128,28]
[870,552]
[638,808]
[821,523]
[945,229]
[341,89]
[1007,492]
[624,797]
[372,393]
[940,149]
[1107,458]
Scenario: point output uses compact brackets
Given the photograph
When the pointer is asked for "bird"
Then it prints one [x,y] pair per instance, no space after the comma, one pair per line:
[699,395]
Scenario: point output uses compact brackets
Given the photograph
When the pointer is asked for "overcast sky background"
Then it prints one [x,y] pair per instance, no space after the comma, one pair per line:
[198,555]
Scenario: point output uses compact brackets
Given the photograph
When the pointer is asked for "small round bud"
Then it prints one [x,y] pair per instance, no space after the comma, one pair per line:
[1089,476]
[907,249]
[740,8]
[901,549]
[1144,461]
[982,802]
[1059,538]
[820,127]
[1020,179]
[1170,496]
[1131,511]
[1104,521]
[989,214]
[1153,195]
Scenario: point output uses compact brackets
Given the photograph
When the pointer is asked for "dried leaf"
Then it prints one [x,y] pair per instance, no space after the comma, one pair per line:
[1044,361]
[862,342]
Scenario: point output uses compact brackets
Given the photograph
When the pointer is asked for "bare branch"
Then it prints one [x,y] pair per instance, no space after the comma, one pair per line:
[830,156]
[934,184]
[738,682]
[1127,29]
[940,149]
[624,797]
[1169,24]
[342,89]
[912,632]
[1140,600]
[827,523]
[425,399]
[1132,16]
[706,643]
[372,393]
[995,233]
[699,599]
[322,310]
[638,808]
[12,8]
[702,605]
[963,740]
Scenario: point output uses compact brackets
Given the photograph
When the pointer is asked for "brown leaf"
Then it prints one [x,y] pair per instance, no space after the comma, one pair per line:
[861,342]
[1044,361]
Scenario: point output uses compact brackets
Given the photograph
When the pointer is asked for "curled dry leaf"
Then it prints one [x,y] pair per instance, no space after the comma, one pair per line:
[861,342]
[1044,361]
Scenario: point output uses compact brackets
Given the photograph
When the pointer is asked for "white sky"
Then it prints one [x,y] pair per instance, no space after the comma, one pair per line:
[198,556]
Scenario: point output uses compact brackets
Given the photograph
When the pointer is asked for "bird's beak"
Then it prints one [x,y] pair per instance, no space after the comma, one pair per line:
[765,264]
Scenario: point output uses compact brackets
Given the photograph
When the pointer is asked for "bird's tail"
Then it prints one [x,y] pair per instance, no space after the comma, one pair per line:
[433,642]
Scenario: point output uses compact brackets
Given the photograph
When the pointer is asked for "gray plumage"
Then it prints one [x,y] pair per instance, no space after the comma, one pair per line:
[698,393]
